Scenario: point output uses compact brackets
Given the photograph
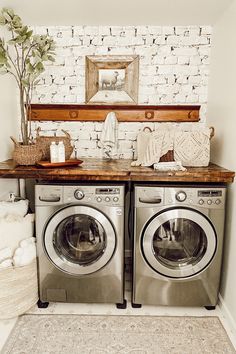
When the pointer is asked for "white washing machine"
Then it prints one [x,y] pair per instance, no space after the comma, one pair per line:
[80,243]
[178,242]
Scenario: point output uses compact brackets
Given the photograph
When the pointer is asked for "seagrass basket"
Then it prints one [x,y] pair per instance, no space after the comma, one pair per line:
[18,290]
[43,143]
[26,154]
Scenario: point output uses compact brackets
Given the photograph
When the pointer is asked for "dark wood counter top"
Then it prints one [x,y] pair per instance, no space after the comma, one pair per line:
[117,170]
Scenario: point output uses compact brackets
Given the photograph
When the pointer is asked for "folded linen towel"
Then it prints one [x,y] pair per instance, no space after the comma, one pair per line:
[169,166]
[108,138]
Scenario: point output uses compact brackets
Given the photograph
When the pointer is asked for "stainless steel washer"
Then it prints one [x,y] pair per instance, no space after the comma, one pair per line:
[80,242]
[178,243]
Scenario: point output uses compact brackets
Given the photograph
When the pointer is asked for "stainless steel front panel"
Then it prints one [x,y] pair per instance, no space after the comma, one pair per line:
[103,237]
[155,266]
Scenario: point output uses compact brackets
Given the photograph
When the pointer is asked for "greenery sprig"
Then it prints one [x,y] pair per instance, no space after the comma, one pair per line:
[23,56]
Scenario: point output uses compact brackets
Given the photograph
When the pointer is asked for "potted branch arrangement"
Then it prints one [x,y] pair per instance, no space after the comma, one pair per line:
[22,56]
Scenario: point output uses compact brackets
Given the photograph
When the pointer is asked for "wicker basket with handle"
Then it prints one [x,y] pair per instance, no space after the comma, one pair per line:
[26,154]
[44,142]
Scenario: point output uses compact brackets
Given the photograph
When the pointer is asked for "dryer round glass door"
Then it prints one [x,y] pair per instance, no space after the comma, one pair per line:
[179,243]
[79,240]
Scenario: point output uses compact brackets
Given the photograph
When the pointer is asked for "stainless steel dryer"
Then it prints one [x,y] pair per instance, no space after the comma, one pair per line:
[80,243]
[178,243]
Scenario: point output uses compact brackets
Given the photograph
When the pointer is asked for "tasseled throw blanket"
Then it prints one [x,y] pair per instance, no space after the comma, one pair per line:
[151,146]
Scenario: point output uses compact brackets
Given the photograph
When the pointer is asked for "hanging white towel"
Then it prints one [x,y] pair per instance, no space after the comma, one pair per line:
[108,138]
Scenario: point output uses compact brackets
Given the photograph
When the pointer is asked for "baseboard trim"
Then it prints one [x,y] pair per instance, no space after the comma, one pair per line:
[228,317]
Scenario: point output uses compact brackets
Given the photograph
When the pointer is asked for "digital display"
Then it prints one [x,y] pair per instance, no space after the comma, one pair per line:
[107,191]
[208,193]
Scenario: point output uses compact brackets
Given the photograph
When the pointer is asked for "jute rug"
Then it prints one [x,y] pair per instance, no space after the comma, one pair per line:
[83,334]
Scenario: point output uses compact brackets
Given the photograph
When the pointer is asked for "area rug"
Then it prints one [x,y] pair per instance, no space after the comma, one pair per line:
[83,334]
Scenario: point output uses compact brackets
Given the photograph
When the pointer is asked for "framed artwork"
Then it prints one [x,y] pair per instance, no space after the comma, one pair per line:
[112,79]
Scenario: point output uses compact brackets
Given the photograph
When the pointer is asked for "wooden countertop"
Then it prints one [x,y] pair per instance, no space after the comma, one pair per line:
[116,170]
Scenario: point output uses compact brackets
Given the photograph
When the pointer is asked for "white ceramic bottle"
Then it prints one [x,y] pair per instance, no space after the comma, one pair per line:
[53,152]
[61,152]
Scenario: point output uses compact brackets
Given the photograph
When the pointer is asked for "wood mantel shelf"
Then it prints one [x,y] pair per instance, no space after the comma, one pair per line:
[116,170]
[124,113]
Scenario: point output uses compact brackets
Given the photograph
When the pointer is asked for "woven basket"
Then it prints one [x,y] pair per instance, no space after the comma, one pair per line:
[169,156]
[44,142]
[26,154]
[18,290]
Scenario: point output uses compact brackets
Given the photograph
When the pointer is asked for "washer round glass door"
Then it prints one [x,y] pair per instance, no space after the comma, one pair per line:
[179,243]
[79,240]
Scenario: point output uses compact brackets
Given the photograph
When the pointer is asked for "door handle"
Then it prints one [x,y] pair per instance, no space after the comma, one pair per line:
[50,200]
[150,201]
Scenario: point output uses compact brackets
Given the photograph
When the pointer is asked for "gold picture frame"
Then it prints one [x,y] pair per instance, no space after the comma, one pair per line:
[112,79]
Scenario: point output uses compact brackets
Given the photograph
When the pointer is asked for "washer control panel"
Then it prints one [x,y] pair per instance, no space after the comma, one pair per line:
[96,195]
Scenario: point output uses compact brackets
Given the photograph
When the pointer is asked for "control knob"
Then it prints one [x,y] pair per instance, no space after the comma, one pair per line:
[99,199]
[107,199]
[209,202]
[201,201]
[79,194]
[181,196]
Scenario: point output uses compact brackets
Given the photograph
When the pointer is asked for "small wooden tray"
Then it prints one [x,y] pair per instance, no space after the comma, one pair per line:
[67,163]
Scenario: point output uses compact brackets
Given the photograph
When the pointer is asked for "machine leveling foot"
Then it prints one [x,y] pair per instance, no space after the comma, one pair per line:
[210,307]
[136,306]
[122,305]
[42,305]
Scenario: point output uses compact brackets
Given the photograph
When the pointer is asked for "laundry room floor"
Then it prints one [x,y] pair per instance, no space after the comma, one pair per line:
[110,309]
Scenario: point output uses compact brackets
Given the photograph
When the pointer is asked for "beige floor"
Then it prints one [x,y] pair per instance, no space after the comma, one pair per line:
[110,309]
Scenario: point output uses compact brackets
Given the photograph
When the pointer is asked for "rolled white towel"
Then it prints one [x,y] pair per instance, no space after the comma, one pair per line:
[24,255]
[27,242]
[5,253]
[19,252]
[6,263]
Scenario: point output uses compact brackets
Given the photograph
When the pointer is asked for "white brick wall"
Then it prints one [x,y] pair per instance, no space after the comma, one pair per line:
[174,69]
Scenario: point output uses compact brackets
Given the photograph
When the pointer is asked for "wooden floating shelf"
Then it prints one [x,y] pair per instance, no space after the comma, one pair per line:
[124,113]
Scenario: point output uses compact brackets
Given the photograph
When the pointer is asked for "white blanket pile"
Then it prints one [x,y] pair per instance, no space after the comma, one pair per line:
[17,244]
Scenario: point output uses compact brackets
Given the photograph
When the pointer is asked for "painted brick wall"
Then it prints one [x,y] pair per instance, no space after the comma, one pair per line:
[174,68]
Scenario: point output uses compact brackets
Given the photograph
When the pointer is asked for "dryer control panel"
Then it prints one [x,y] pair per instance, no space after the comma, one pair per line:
[203,197]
